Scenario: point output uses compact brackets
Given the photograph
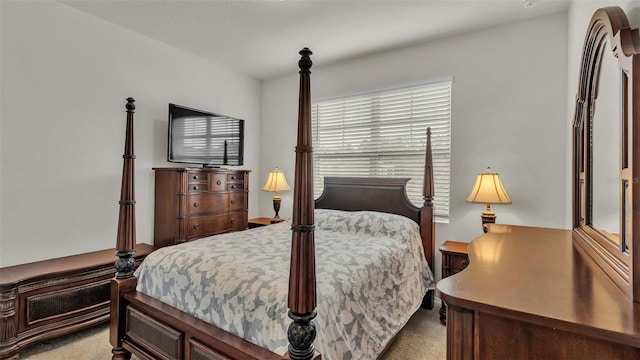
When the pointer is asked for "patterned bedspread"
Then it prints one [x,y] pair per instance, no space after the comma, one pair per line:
[370,269]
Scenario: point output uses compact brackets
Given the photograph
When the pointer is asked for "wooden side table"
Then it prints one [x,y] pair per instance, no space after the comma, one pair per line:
[263,221]
[454,259]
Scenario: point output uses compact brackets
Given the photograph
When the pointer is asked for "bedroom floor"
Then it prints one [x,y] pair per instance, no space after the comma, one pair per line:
[423,338]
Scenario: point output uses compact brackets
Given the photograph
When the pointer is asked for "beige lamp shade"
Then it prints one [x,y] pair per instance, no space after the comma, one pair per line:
[276,182]
[489,189]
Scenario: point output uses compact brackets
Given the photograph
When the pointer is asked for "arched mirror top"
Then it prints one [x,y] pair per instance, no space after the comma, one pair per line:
[606,148]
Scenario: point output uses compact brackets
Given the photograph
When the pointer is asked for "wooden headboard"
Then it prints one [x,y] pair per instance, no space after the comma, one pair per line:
[387,195]
[373,194]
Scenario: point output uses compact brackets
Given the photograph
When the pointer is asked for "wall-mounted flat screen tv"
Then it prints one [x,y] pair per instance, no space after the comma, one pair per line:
[200,137]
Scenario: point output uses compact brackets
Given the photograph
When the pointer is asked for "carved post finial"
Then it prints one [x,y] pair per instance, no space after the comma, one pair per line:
[305,62]
[130,104]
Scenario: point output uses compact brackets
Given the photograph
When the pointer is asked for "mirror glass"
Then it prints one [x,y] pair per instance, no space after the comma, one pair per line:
[605,133]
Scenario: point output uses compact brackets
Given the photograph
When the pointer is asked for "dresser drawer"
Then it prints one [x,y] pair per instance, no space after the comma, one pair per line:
[210,225]
[455,257]
[453,264]
[236,177]
[210,203]
[458,263]
[198,188]
[237,186]
[218,182]
[207,225]
[197,176]
[238,220]
[237,201]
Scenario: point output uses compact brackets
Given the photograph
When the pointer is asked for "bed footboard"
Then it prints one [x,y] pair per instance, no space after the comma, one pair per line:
[159,331]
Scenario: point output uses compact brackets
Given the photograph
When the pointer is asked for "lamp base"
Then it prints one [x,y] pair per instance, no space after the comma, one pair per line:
[276,207]
[488,217]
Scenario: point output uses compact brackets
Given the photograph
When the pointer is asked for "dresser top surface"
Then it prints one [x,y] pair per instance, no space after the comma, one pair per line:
[206,169]
[537,274]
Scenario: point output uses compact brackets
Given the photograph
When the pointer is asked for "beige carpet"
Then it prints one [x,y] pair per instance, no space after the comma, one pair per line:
[423,338]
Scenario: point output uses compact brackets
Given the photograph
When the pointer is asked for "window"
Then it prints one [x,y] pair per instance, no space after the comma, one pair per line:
[383,134]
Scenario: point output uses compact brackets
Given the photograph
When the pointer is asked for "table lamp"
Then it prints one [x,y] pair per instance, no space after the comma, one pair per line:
[488,190]
[276,182]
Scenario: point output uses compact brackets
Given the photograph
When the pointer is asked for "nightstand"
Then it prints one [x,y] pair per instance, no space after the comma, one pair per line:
[263,221]
[454,259]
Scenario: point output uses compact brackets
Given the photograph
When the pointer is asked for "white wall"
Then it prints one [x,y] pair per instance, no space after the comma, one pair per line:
[65,77]
[509,112]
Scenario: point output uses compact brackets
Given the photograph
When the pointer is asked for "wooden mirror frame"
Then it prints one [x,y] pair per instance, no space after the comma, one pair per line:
[621,263]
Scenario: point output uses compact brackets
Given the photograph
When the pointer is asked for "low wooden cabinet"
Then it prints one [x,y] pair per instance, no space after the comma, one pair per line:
[191,203]
[50,298]
[455,258]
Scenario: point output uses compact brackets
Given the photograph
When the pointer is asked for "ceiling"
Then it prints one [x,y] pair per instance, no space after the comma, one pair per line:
[262,38]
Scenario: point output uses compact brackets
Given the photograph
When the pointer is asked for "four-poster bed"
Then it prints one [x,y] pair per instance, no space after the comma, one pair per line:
[148,327]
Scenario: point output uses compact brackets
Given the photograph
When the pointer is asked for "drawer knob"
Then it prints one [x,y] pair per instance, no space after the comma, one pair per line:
[195,177]
[195,187]
[233,177]
[196,204]
[232,220]
[233,201]
[196,226]
[233,186]
[218,182]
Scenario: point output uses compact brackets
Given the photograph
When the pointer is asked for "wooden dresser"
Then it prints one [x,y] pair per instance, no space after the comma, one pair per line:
[191,203]
[530,293]
[50,298]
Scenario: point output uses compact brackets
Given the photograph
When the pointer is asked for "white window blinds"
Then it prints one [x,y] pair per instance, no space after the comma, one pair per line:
[383,134]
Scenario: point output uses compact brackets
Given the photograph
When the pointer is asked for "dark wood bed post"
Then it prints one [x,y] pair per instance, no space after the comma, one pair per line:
[302,275]
[427,214]
[125,243]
